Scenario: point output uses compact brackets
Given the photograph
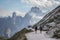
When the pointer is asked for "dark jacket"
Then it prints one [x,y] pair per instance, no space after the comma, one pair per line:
[40,28]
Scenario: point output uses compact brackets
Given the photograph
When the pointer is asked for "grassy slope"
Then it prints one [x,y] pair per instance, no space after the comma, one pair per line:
[1,38]
[20,35]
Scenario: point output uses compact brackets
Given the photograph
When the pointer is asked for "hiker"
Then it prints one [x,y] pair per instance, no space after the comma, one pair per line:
[40,29]
[35,29]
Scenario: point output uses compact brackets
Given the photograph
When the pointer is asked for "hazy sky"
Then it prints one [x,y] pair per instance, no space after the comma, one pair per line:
[23,6]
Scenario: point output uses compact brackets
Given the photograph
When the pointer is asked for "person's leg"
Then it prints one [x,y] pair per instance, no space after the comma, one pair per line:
[40,31]
[35,31]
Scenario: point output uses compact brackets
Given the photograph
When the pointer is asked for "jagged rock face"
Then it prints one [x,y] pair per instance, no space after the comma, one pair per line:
[37,11]
[26,20]
[53,16]
[56,20]
[36,14]
[10,25]
[50,15]
[7,24]
[47,17]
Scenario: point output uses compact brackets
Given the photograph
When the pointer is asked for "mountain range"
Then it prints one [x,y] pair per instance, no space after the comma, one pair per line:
[46,21]
[11,25]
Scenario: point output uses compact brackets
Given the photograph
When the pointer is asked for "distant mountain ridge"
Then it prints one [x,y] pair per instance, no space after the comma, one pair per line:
[11,25]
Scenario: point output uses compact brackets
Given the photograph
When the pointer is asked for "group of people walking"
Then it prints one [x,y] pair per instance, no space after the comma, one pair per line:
[40,28]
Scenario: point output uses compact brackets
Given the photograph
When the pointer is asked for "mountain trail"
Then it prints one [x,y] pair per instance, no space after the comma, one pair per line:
[38,36]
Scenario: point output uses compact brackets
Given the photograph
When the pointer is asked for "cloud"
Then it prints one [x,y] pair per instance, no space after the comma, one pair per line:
[45,6]
[24,1]
[35,18]
[20,13]
[6,13]
[42,4]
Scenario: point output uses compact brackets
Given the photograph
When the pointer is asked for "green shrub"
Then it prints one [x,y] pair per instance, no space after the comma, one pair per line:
[50,20]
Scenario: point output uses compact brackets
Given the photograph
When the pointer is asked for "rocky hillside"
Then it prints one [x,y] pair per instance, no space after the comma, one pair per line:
[51,22]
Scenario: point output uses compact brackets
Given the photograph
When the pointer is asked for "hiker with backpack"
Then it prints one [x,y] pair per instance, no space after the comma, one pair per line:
[35,29]
[40,28]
